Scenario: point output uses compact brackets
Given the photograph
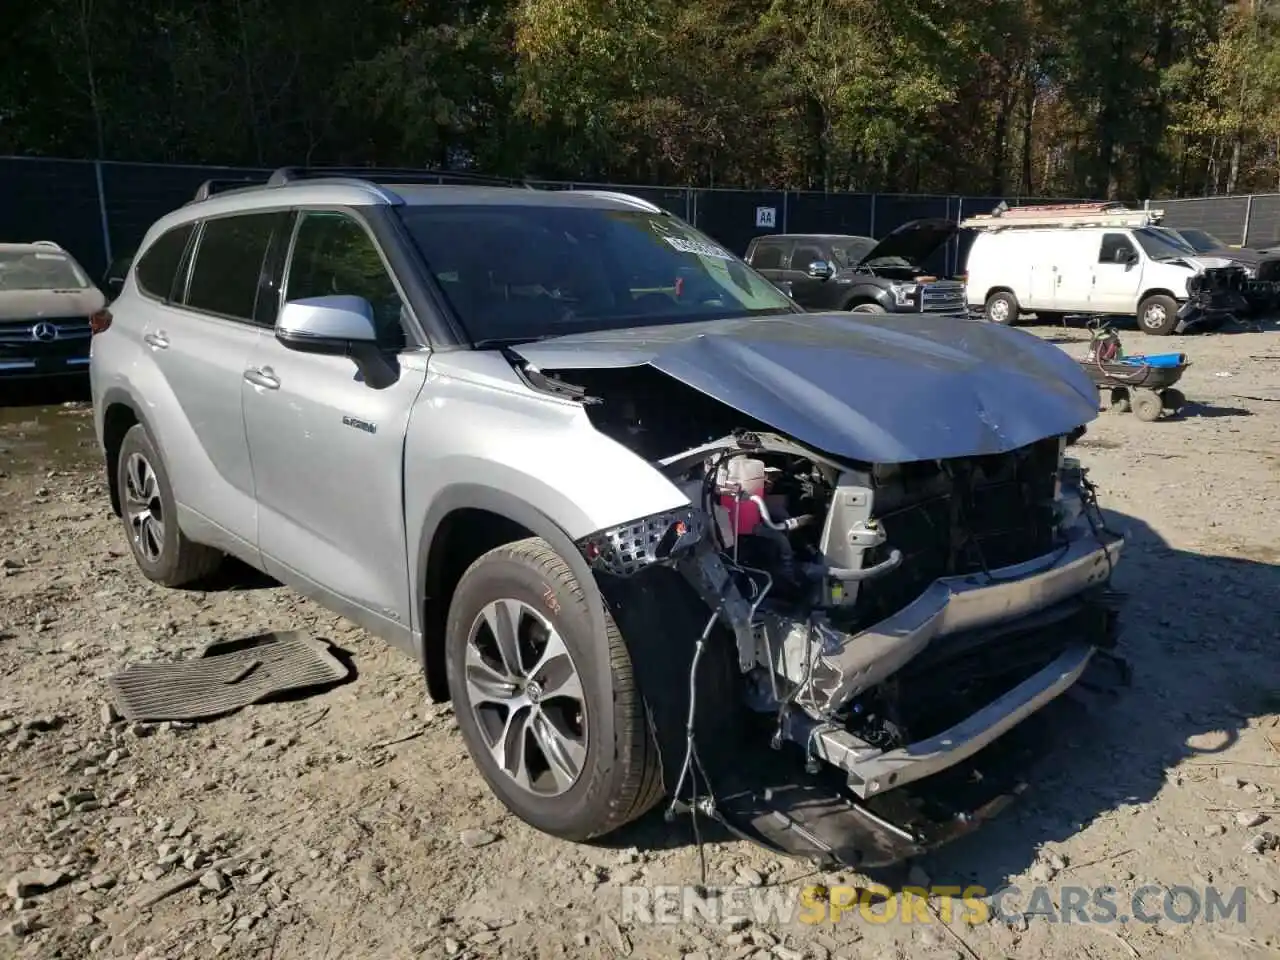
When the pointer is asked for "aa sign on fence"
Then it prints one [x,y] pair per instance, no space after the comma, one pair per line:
[767,217]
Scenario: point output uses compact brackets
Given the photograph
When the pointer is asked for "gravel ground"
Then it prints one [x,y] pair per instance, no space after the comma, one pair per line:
[350,846]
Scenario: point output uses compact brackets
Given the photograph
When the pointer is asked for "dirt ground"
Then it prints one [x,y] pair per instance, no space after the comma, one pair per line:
[354,847]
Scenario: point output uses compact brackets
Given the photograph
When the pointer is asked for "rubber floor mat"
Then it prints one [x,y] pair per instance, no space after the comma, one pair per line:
[227,676]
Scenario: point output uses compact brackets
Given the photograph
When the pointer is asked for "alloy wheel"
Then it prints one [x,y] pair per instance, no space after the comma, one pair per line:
[526,696]
[143,507]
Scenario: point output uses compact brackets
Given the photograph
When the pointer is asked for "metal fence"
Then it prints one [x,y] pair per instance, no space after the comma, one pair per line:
[1248,221]
[100,210]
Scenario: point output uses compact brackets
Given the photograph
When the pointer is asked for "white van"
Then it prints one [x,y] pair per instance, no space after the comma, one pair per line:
[1018,265]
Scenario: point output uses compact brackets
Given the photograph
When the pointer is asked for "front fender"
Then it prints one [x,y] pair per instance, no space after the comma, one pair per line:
[475,496]
[864,292]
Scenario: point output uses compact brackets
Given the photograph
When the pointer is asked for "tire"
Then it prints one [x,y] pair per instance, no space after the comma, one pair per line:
[1002,308]
[1120,399]
[1146,406]
[162,551]
[1173,400]
[868,308]
[1158,315]
[619,776]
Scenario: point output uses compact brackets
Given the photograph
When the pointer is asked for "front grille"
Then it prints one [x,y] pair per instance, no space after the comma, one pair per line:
[955,517]
[943,297]
[24,331]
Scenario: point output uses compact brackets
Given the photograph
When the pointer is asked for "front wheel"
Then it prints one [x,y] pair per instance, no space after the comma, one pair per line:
[868,308]
[1158,315]
[550,712]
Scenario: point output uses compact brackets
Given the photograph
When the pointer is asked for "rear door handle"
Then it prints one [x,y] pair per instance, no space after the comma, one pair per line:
[262,377]
[158,340]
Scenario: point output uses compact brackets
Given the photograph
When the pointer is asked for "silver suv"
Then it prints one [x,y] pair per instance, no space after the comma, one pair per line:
[638,515]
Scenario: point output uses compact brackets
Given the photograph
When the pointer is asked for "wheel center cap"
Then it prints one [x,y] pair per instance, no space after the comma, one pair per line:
[533,690]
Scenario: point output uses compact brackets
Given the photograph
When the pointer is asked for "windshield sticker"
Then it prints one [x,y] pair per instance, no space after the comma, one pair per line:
[698,248]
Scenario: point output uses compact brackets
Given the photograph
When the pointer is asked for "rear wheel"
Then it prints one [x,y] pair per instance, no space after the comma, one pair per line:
[1002,308]
[550,712]
[1158,315]
[162,551]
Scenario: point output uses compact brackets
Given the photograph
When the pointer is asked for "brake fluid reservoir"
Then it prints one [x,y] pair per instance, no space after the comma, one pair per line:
[737,481]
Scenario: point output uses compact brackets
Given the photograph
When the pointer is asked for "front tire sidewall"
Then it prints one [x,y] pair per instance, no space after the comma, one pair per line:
[584,809]
[1009,316]
[1164,326]
[137,440]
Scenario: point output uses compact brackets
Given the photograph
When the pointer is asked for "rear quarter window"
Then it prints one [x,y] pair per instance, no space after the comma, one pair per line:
[158,267]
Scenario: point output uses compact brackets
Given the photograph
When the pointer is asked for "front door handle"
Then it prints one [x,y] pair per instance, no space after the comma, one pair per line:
[262,377]
[158,340]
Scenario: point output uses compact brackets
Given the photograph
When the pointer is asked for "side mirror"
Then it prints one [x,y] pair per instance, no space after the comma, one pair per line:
[336,326]
[821,270]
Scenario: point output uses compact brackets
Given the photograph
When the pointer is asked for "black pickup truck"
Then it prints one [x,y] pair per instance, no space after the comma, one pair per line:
[839,272]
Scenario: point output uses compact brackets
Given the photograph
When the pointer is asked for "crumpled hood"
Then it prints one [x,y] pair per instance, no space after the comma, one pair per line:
[888,389]
[47,304]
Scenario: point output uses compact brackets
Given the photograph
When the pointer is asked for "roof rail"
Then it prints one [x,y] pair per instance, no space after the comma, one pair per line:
[624,197]
[46,243]
[210,187]
[391,175]
[1109,214]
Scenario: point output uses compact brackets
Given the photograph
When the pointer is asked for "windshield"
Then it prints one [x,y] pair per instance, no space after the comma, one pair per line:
[527,271]
[1202,242]
[1158,245]
[1175,238]
[40,271]
[850,251]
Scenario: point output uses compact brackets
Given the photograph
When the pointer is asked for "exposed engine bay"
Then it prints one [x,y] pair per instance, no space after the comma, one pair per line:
[1215,293]
[887,621]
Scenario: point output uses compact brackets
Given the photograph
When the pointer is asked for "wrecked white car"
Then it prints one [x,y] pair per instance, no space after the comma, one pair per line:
[654,530]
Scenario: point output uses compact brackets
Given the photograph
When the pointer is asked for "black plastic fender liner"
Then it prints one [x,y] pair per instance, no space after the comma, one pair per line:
[661,618]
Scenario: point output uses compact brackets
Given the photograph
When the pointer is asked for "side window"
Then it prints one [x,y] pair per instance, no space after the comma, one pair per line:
[333,255]
[1116,248]
[228,265]
[803,256]
[767,256]
[158,267]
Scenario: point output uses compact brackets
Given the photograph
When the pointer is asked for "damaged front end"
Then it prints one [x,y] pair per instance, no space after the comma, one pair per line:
[886,565]
[1214,296]
[889,622]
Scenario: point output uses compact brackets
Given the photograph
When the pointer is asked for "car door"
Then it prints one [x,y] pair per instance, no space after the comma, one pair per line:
[200,341]
[1074,253]
[812,293]
[1117,274]
[328,448]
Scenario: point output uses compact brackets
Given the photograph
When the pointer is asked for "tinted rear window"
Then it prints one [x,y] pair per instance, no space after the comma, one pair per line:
[43,270]
[519,272]
[159,265]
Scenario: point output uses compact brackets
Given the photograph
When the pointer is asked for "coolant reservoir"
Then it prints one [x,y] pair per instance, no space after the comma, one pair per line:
[737,481]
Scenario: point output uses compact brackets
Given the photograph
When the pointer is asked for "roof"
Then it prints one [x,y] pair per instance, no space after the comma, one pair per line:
[814,236]
[282,191]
